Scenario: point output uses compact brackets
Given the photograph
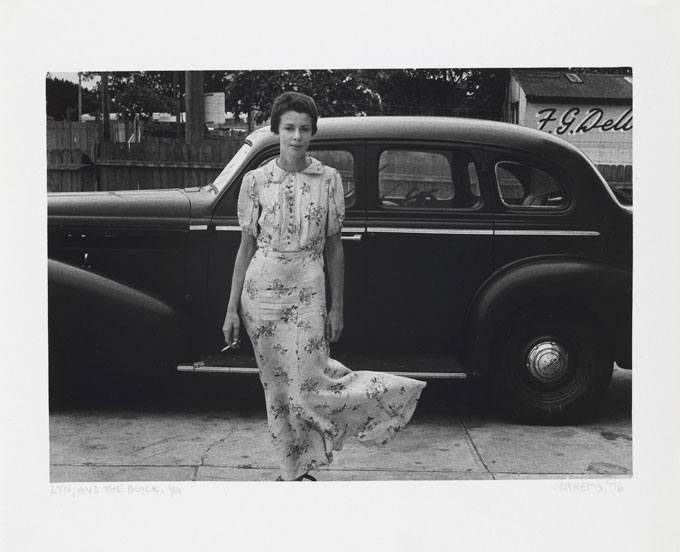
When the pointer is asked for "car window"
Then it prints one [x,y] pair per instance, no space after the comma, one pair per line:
[524,186]
[343,162]
[412,179]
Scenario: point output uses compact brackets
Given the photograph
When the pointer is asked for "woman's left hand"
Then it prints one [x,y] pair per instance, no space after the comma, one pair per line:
[334,325]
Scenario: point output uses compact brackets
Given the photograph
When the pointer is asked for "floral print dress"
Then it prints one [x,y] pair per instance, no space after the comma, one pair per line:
[313,402]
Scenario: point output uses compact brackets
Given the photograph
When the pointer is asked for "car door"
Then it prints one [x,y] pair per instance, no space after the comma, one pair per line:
[348,159]
[428,244]
[537,212]
[138,238]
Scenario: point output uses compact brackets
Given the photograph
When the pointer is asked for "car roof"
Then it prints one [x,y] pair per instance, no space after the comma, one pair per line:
[424,128]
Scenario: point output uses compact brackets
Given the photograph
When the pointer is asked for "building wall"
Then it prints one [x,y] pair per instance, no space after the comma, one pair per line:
[603,132]
[214,108]
[517,100]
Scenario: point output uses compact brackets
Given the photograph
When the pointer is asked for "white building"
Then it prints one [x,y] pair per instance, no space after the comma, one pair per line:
[592,111]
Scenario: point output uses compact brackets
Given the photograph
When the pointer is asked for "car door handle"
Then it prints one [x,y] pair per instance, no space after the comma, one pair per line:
[352,237]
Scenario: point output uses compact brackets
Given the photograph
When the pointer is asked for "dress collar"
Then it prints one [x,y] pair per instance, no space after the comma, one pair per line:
[277,174]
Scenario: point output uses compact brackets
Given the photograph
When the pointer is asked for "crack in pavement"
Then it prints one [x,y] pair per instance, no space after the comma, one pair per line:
[207,451]
[164,451]
[471,443]
[152,444]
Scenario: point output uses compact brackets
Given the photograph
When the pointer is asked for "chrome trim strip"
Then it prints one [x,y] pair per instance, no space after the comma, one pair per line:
[254,371]
[228,228]
[451,231]
[547,233]
[431,375]
[217,369]
[441,231]
[238,229]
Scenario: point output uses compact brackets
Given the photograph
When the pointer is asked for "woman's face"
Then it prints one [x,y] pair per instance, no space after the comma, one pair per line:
[295,133]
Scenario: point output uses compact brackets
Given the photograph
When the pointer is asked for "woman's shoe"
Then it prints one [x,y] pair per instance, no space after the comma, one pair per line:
[301,478]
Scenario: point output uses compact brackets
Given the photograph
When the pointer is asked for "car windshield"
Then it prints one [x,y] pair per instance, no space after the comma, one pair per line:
[225,176]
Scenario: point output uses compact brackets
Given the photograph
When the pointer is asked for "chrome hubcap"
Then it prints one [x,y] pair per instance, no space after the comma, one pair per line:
[547,362]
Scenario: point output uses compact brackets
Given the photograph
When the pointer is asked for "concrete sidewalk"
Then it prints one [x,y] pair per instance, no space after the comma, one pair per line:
[462,440]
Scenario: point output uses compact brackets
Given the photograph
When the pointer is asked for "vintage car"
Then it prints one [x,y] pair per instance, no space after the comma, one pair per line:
[472,248]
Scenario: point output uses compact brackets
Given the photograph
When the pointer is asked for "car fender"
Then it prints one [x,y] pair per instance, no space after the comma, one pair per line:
[97,322]
[603,291]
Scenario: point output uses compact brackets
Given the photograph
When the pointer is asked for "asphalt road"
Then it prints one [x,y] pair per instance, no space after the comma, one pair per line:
[213,428]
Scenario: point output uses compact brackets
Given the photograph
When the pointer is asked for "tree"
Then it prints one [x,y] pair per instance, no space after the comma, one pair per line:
[62,98]
[446,92]
[485,91]
[336,92]
[140,93]
[472,92]
[449,92]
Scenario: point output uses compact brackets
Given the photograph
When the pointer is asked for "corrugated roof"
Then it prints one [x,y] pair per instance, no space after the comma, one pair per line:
[555,84]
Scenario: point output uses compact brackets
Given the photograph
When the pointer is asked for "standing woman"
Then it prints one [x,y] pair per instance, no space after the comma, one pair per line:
[290,210]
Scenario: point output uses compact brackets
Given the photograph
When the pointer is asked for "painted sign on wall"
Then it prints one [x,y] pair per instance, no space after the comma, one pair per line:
[603,132]
[572,120]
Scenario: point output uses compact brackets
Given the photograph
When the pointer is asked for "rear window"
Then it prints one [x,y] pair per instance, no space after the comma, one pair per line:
[522,186]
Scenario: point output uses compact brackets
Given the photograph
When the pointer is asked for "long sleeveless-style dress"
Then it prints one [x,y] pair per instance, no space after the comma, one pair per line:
[313,402]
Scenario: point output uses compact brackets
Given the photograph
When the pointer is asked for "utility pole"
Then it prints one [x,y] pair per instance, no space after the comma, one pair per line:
[251,121]
[105,107]
[176,103]
[195,106]
[80,97]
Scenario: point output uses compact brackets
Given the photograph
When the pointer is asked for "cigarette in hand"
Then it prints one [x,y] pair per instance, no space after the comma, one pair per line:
[227,347]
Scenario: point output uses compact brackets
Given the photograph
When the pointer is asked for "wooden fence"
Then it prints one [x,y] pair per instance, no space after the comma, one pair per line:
[157,163]
[63,135]
[162,163]
[69,170]
[620,175]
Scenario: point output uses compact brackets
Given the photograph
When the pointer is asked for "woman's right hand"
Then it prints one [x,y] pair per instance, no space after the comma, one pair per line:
[232,324]
[231,329]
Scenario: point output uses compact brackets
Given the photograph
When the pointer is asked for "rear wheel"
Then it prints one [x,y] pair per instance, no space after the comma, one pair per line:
[553,364]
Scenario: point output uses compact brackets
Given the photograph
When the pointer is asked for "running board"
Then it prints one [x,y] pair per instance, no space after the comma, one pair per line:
[254,371]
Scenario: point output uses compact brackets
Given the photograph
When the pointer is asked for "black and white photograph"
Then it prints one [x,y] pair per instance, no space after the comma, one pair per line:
[414,279]
[476,230]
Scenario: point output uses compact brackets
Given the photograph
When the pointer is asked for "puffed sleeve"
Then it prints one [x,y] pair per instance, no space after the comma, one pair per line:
[336,204]
[248,205]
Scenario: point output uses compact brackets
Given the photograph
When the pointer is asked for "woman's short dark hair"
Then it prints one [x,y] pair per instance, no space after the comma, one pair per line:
[293,101]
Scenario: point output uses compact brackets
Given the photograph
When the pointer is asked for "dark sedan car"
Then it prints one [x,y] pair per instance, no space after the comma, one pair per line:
[472,248]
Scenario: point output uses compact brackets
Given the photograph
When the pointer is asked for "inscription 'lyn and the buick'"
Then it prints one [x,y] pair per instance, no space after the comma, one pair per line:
[472,249]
